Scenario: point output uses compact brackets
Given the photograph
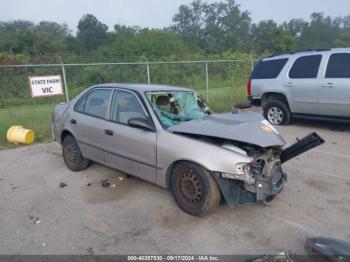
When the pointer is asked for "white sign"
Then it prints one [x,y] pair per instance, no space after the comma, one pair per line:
[45,86]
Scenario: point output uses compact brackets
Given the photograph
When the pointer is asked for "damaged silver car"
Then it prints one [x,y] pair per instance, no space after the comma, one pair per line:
[167,135]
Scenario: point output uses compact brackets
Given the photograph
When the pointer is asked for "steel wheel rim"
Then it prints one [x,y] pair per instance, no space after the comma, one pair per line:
[70,154]
[190,188]
[275,115]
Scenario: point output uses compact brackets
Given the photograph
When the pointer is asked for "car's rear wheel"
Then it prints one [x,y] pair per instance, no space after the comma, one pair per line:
[194,189]
[277,112]
[72,156]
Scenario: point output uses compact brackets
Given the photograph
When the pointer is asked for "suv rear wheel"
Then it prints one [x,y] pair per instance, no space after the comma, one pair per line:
[277,112]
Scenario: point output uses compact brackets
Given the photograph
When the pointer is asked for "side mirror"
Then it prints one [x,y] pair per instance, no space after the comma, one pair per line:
[141,123]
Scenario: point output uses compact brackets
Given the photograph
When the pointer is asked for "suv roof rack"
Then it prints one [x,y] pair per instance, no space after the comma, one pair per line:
[300,51]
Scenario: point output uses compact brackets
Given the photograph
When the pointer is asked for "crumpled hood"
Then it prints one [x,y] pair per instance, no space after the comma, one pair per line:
[248,127]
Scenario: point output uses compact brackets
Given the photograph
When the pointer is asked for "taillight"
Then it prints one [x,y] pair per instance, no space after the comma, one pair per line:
[249,87]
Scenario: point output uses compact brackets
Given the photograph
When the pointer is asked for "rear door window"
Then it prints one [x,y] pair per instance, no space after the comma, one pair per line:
[81,105]
[305,67]
[268,69]
[95,103]
[338,66]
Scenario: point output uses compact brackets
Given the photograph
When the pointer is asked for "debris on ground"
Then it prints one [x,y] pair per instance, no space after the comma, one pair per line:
[13,186]
[36,220]
[113,185]
[121,178]
[105,183]
[88,184]
[43,244]
[333,249]
[62,184]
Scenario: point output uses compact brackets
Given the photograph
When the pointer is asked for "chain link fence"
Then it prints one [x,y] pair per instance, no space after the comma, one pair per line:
[222,82]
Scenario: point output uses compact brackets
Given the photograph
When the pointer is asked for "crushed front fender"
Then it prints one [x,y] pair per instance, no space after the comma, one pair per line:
[235,193]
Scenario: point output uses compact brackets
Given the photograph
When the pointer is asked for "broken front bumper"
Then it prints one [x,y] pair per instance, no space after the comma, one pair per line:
[237,192]
[268,178]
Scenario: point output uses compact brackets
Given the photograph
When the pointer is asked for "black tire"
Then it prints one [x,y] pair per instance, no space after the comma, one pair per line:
[194,189]
[277,112]
[72,156]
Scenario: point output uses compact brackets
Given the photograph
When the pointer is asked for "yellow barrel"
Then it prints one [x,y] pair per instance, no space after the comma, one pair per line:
[20,135]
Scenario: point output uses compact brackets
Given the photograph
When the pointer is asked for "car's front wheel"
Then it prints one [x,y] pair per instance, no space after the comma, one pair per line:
[72,155]
[277,112]
[194,189]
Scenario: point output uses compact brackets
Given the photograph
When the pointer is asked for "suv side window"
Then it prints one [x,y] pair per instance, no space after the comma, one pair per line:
[305,67]
[126,106]
[268,69]
[338,66]
[94,103]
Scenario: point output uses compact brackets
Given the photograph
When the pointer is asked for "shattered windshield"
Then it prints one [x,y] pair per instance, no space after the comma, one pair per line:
[173,107]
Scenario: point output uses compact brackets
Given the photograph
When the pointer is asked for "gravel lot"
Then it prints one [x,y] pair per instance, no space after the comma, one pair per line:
[135,217]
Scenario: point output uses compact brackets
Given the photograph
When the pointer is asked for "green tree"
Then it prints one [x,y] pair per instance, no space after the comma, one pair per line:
[199,29]
[321,32]
[295,27]
[283,41]
[91,32]
[17,37]
[132,43]
[214,27]
[24,37]
[269,37]
[50,37]
[235,25]
[189,22]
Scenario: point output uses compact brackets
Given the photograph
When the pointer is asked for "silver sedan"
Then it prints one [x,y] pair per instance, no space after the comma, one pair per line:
[168,136]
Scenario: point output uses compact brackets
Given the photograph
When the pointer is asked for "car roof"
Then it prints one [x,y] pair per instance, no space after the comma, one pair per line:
[307,52]
[142,87]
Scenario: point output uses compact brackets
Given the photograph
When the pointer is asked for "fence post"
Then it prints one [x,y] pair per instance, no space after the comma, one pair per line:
[207,80]
[148,73]
[251,65]
[65,82]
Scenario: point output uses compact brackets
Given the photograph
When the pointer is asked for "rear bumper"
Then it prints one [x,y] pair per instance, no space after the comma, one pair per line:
[254,101]
[236,193]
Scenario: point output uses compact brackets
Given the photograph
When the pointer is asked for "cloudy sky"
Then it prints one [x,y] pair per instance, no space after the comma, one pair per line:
[156,13]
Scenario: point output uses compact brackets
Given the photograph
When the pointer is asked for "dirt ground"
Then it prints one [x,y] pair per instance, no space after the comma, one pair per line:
[135,217]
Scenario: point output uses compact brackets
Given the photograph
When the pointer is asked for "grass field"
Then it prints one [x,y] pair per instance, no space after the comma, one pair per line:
[38,117]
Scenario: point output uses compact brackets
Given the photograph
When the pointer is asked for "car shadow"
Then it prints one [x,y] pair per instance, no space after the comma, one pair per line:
[322,124]
[312,123]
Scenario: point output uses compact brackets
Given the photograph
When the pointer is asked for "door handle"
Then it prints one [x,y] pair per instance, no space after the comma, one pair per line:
[290,84]
[73,121]
[329,85]
[108,132]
